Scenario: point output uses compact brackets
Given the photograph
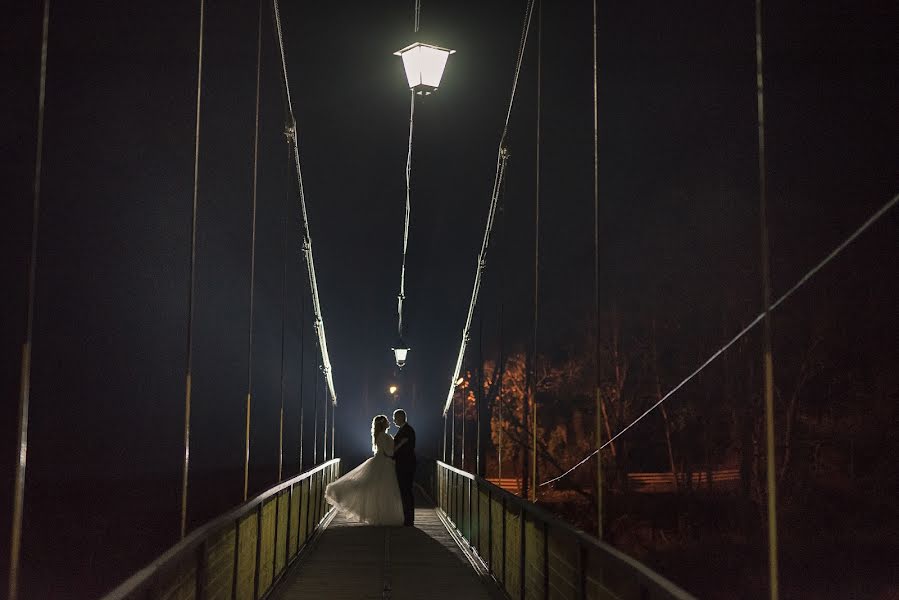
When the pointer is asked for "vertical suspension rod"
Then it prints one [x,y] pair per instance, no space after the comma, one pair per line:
[500,369]
[283,336]
[479,395]
[453,435]
[192,277]
[464,398]
[533,386]
[249,399]
[599,529]
[325,432]
[18,492]
[315,419]
[767,358]
[444,437]
[302,373]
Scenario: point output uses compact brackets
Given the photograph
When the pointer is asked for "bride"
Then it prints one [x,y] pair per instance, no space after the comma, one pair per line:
[370,492]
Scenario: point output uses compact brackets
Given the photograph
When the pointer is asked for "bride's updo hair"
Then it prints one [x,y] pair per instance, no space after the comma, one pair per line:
[378,425]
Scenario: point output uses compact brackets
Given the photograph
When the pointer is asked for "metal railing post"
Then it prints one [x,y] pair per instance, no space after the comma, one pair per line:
[504,542]
[490,528]
[522,552]
[289,515]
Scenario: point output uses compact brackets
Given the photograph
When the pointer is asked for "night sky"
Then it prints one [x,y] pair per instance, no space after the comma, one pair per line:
[678,190]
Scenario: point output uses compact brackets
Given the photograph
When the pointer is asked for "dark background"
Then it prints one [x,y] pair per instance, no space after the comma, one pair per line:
[678,189]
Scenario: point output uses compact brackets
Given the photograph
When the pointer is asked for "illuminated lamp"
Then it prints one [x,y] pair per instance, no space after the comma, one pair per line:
[400,353]
[424,66]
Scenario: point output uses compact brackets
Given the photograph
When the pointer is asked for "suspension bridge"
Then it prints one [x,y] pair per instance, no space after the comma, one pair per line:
[473,538]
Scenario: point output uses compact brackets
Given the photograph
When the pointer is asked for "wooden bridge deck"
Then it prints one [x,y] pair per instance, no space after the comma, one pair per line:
[356,561]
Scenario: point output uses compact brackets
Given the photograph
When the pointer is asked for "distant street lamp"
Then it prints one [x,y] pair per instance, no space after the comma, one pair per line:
[394,391]
[424,66]
[400,353]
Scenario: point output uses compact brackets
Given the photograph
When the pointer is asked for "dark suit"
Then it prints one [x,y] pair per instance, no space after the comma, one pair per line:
[405,470]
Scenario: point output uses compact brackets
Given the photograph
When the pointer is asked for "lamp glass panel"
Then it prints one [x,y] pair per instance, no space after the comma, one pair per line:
[411,65]
[400,354]
[424,65]
[432,62]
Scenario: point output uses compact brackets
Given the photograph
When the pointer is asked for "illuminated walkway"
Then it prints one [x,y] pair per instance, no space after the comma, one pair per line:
[352,560]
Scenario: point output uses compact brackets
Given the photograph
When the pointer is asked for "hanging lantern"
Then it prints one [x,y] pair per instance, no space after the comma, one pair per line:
[424,66]
[400,353]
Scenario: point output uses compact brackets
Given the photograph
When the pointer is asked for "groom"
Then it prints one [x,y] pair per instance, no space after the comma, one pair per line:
[404,455]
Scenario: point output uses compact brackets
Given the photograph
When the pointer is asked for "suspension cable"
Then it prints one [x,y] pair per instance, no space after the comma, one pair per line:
[758,319]
[15,543]
[501,159]
[402,295]
[307,238]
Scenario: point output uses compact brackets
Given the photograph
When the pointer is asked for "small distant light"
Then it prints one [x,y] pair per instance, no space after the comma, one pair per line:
[460,381]
[392,389]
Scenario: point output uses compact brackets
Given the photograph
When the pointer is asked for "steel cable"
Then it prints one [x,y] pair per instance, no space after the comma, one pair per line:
[402,295]
[502,156]
[307,238]
[758,319]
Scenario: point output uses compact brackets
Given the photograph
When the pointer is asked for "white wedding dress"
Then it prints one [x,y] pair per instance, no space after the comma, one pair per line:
[370,492]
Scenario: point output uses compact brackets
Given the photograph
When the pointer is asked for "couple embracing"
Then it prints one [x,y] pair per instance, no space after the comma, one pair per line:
[379,491]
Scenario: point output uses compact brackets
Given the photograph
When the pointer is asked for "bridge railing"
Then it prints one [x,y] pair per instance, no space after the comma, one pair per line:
[533,554]
[243,553]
